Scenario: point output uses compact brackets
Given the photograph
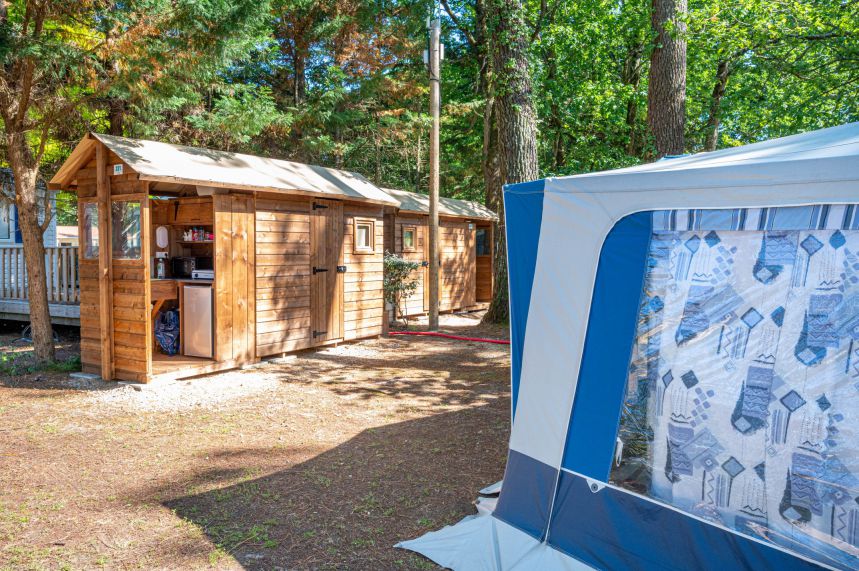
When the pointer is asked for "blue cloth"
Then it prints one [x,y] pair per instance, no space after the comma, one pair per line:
[167,331]
[523,212]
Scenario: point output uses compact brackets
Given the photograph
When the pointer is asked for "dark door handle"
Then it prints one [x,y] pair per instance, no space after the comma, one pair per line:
[319,270]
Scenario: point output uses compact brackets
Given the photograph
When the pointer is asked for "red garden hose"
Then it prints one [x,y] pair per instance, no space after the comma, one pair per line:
[448,336]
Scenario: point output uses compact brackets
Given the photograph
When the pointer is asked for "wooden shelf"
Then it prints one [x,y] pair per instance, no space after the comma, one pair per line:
[195,241]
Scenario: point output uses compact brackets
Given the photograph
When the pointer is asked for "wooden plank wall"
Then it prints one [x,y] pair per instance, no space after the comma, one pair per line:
[90,303]
[131,331]
[415,304]
[130,312]
[363,299]
[125,183]
[235,268]
[131,326]
[282,274]
[458,264]
[88,276]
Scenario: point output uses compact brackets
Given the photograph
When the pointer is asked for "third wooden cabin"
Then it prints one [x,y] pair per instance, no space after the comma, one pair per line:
[466,265]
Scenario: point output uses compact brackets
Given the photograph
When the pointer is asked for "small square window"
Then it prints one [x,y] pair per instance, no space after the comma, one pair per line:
[89,225]
[409,239]
[365,235]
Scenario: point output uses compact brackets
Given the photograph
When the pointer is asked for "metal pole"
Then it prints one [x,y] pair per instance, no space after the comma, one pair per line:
[435,103]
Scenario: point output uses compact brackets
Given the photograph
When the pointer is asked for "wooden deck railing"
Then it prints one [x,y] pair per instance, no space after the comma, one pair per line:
[61,267]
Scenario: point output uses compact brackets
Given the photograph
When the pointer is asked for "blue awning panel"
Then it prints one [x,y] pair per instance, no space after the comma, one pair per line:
[605,362]
[523,211]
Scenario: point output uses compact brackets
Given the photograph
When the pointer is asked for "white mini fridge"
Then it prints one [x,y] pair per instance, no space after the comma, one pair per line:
[197,313]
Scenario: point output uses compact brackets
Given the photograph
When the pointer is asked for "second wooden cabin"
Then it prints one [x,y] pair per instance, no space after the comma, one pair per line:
[259,256]
[466,263]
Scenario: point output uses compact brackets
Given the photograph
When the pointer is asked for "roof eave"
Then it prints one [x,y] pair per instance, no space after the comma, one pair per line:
[475,216]
[257,188]
[81,155]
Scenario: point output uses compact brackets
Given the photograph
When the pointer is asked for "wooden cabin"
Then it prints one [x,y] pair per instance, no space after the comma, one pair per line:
[259,256]
[466,267]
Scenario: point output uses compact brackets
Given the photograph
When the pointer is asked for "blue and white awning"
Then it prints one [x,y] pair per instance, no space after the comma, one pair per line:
[685,346]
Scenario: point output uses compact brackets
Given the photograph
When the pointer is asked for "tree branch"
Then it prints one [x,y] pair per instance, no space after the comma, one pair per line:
[546,15]
[469,37]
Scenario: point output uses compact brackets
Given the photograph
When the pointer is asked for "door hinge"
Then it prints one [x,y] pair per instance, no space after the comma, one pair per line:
[318,333]
[319,270]
[317,206]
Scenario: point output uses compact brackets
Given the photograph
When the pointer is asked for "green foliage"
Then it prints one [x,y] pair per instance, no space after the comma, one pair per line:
[67,209]
[794,66]
[343,84]
[240,113]
[399,280]
[20,363]
[147,58]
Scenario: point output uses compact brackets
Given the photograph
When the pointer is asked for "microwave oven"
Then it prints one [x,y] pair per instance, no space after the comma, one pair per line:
[184,266]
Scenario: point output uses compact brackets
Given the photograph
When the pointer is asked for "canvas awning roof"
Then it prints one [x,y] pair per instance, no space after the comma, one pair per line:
[163,162]
[823,156]
[419,203]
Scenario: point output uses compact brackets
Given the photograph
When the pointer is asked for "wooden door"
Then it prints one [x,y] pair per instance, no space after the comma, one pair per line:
[326,282]
[470,257]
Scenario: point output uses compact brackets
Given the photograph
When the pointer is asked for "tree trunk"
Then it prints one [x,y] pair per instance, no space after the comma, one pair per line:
[516,120]
[495,202]
[116,116]
[300,79]
[666,90]
[632,76]
[28,203]
[555,124]
[714,118]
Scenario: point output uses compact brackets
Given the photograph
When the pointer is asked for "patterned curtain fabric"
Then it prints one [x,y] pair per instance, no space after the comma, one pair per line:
[743,394]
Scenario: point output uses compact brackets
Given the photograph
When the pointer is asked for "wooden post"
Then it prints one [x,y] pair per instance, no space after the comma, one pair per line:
[105,265]
[146,255]
[435,103]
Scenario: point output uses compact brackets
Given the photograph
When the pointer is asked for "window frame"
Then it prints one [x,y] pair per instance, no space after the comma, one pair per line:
[414,230]
[113,248]
[8,206]
[82,236]
[371,223]
[488,241]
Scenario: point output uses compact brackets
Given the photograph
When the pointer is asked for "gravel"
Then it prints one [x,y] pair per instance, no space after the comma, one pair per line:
[206,391]
[174,395]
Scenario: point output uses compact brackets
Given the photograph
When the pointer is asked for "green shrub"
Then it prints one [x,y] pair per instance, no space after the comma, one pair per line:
[400,281]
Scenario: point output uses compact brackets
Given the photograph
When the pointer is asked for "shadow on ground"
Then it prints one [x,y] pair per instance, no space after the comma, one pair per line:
[434,371]
[345,508]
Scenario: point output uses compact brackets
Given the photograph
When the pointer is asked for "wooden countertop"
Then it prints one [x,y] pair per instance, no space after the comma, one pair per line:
[182,281]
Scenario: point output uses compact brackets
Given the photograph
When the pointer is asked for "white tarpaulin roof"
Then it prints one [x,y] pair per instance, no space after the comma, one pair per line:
[164,162]
[415,202]
[828,155]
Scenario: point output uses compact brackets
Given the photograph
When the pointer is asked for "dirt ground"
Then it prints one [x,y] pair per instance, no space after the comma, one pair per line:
[322,461]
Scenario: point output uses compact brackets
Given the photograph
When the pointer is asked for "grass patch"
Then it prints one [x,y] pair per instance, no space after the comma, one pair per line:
[21,363]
